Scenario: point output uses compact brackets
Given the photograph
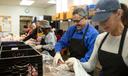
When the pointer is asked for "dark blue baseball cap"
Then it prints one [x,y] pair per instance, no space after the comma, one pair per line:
[104,9]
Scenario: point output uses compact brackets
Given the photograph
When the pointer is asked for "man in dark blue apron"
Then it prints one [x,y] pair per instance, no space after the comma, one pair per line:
[79,38]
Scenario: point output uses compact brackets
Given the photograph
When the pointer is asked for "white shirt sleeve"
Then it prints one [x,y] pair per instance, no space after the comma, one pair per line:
[50,40]
[111,44]
[90,65]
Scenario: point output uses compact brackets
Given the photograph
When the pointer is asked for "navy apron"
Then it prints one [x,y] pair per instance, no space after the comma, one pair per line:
[113,64]
[77,47]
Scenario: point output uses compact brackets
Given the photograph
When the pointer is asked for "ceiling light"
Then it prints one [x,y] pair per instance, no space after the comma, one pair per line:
[52,1]
[83,2]
[26,2]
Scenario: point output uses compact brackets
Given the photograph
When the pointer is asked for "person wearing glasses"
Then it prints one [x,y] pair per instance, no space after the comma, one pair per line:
[111,47]
[79,38]
[48,41]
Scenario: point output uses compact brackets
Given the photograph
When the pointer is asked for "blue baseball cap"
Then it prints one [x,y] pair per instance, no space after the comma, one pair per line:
[104,9]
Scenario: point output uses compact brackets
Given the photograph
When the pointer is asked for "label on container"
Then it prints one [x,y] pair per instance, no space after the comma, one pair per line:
[14,48]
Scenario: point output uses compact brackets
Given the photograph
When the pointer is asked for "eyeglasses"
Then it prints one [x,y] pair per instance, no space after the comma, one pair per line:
[77,21]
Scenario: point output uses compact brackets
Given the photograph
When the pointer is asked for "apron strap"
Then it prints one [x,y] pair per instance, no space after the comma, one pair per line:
[122,40]
[83,34]
[86,30]
[103,40]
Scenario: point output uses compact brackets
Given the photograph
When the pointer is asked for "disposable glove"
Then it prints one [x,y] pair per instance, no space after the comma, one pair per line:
[48,47]
[38,47]
[70,62]
[63,67]
[57,59]
[28,42]
[75,65]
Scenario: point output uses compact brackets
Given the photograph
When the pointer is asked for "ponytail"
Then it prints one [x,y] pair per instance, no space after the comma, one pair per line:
[124,17]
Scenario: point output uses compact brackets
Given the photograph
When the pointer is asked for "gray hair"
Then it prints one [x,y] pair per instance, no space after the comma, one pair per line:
[80,11]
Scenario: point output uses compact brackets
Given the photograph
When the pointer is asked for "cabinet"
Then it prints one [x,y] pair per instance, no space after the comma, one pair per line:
[5,23]
[25,20]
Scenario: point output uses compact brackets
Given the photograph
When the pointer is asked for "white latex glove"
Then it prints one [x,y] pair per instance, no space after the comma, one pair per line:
[38,47]
[75,65]
[48,47]
[57,59]
[26,42]
[70,62]
[63,67]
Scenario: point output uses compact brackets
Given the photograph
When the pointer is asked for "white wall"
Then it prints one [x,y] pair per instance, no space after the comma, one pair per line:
[16,11]
[124,1]
[50,10]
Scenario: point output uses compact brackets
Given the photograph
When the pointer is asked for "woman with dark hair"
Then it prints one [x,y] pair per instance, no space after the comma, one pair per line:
[124,18]
[35,31]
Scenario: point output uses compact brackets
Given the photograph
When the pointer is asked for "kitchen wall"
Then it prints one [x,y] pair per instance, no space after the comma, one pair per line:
[16,11]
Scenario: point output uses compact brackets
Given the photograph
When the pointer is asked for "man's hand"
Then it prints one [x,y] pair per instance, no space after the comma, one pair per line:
[38,47]
[57,59]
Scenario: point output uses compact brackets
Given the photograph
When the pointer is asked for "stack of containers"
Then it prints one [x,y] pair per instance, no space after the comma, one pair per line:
[19,59]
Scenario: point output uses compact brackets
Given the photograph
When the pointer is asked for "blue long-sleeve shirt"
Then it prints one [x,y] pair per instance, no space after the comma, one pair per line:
[88,41]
